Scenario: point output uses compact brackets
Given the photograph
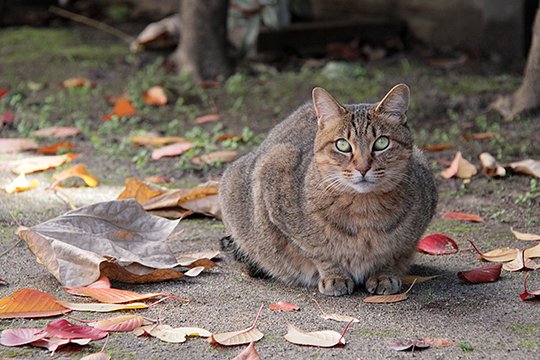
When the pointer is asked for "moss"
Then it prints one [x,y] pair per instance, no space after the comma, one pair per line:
[465,346]
[476,85]
[523,330]
[450,227]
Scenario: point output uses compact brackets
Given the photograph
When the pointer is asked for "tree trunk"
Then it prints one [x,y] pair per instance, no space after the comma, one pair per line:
[203,39]
[527,97]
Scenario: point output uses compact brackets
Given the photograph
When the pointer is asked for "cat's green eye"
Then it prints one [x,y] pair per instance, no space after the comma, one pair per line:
[343,145]
[381,143]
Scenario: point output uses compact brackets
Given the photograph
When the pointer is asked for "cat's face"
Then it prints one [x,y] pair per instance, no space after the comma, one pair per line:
[364,148]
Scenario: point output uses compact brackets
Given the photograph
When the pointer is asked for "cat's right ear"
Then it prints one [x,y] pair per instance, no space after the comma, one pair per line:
[326,107]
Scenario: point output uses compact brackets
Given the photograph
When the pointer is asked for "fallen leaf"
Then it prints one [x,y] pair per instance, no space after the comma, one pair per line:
[110,295]
[224,156]
[75,246]
[155,96]
[54,149]
[532,252]
[136,273]
[157,179]
[438,147]
[527,295]
[152,140]
[453,215]
[138,190]
[99,307]
[189,259]
[231,338]
[481,275]
[438,342]
[57,132]
[248,353]
[6,118]
[460,168]
[229,137]
[22,336]
[63,329]
[324,338]
[490,167]
[521,262]
[39,163]
[194,271]
[80,171]
[496,255]
[3,92]
[53,344]
[21,183]
[175,149]
[16,145]
[385,299]
[120,323]
[77,83]
[480,136]
[409,279]
[406,345]
[122,107]
[437,244]
[30,303]
[525,236]
[528,167]
[284,306]
[169,334]
[209,118]
[165,30]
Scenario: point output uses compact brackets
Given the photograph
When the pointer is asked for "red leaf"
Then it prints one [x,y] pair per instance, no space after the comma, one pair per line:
[65,330]
[6,118]
[436,244]
[453,215]
[16,337]
[481,275]
[528,294]
[3,92]
[284,306]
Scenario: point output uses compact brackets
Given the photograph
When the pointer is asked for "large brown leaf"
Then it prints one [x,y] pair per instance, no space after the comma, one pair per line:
[30,303]
[74,246]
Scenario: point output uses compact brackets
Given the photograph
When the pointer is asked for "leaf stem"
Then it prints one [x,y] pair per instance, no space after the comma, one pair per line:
[258,315]
[344,331]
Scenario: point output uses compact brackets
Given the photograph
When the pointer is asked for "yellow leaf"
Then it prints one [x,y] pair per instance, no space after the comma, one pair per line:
[525,236]
[21,183]
[98,307]
[79,171]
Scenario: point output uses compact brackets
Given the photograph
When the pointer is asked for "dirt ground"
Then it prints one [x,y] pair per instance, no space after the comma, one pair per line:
[487,321]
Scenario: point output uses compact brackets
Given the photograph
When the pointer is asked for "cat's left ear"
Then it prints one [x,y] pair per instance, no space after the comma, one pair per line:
[326,107]
[395,103]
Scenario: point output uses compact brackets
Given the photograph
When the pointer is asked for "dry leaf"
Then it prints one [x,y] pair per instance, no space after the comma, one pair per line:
[525,236]
[22,336]
[169,334]
[155,96]
[224,156]
[73,246]
[194,271]
[490,167]
[209,118]
[528,167]
[122,107]
[248,353]
[175,149]
[480,136]
[63,329]
[436,244]
[77,83]
[152,140]
[460,168]
[3,92]
[53,344]
[120,323]
[406,345]
[39,163]
[454,215]
[30,303]
[533,252]
[79,171]
[521,262]
[481,275]
[165,30]
[231,338]
[284,306]
[526,293]
[385,299]
[54,149]
[110,295]
[21,183]
[438,342]
[438,147]
[324,338]
[57,132]
[17,145]
[339,317]
[497,255]
[157,179]
[99,307]
[136,189]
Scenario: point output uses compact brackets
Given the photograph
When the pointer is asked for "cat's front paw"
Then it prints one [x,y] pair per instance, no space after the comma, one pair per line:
[383,284]
[336,286]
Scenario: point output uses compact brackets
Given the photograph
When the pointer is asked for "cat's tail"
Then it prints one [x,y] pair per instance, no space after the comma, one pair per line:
[230,246]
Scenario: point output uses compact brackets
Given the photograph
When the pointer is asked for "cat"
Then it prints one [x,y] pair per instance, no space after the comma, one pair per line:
[336,196]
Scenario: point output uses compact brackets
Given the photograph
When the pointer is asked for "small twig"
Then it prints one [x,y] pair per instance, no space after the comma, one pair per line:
[258,315]
[93,23]
[170,296]
[65,198]
[410,287]
[344,331]
[11,247]
[79,320]
[106,342]
[320,308]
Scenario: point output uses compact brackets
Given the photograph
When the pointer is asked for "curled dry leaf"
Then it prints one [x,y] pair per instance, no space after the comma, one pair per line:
[248,353]
[521,262]
[231,338]
[166,30]
[169,334]
[40,163]
[54,149]
[175,149]
[481,275]
[525,236]
[496,255]
[528,167]
[480,136]
[120,323]
[110,295]
[193,272]
[284,306]
[21,183]
[437,244]
[77,246]
[324,338]
[79,171]
[438,147]
[532,252]
[153,140]
[527,295]
[140,191]
[155,96]
[460,168]
[490,167]
[386,299]
[77,83]
[53,344]
[209,118]
[22,336]
[99,307]
[30,303]
[122,107]
[16,145]
[224,156]
[57,132]
[460,216]
[63,329]
[406,345]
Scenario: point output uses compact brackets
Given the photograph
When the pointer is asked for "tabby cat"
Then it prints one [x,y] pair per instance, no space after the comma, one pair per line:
[336,196]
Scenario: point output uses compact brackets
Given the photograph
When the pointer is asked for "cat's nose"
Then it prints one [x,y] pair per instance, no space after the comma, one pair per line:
[363,169]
